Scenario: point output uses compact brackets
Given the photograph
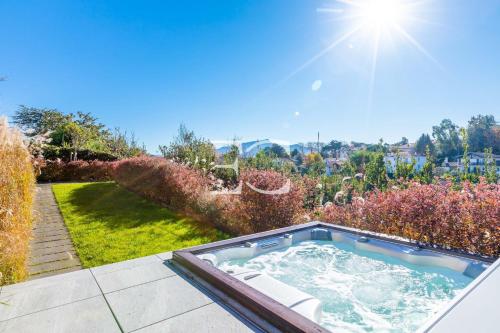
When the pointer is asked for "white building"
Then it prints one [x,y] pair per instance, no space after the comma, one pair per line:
[301,148]
[334,164]
[391,159]
[406,154]
[477,162]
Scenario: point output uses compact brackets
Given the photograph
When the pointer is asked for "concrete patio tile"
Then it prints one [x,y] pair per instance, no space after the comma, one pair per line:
[89,315]
[165,255]
[105,269]
[211,318]
[132,275]
[37,295]
[155,301]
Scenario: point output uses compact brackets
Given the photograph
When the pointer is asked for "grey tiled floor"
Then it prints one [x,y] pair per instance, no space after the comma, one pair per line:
[143,295]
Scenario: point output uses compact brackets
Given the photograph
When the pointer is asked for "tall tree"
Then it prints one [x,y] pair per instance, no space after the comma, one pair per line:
[422,143]
[78,137]
[36,121]
[404,141]
[448,139]
[80,131]
[190,149]
[482,134]
[276,151]
[332,148]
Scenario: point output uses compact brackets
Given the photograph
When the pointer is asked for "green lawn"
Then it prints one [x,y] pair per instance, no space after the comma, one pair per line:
[108,224]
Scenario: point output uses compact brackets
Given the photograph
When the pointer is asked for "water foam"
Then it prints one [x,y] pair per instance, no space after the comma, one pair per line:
[361,291]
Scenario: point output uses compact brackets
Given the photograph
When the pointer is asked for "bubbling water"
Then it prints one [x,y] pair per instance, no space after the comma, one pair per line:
[360,291]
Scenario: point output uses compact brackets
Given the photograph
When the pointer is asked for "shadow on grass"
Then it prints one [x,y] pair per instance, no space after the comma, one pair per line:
[118,208]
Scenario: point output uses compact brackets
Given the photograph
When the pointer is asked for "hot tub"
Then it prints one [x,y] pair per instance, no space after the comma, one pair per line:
[321,277]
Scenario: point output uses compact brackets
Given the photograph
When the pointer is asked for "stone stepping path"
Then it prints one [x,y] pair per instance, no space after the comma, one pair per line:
[51,248]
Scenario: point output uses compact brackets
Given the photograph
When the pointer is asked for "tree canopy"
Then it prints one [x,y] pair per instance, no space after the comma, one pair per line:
[190,149]
[422,143]
[447,138]
[314,164]
[276,151]
[482,132]
[332,148]
[80,131]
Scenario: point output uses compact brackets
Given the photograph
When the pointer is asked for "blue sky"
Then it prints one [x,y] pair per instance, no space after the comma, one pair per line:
[220,67]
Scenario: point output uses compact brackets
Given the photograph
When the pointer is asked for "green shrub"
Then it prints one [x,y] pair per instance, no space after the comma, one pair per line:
[65,153]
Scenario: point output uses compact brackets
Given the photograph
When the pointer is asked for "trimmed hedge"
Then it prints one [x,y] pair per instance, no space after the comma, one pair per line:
[165,182]
[179,187]
[467,219]
[54,153]
[262,211]
[52,171]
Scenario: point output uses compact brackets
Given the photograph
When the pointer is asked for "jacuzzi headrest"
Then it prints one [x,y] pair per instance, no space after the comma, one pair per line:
[321,234]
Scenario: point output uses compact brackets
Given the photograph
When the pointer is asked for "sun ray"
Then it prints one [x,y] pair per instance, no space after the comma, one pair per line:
[417,45]
[350,3]
[373,71]
[421,20]
[339,40]
[373,19]
[329,10]
[344,18]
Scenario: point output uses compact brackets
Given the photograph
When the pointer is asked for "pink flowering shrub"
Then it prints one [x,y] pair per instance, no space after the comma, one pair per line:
[74,171]
[466,219]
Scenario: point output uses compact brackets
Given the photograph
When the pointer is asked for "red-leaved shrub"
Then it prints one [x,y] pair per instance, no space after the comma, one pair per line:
[165,182]
[467,219]
[75,171]
[256,211]
[434,214]
[184,189]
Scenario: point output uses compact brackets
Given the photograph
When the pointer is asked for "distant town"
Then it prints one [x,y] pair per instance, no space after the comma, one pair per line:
[446,148]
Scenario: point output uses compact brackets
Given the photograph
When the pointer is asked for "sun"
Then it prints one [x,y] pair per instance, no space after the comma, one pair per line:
[381,13]
[370,23]
[374,19]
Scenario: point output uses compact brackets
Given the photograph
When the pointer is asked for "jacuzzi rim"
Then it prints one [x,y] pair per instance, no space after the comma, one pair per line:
[264,306]
[315,224]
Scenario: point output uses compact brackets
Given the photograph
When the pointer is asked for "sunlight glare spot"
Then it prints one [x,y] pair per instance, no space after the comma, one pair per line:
[382,13]
[316,85]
